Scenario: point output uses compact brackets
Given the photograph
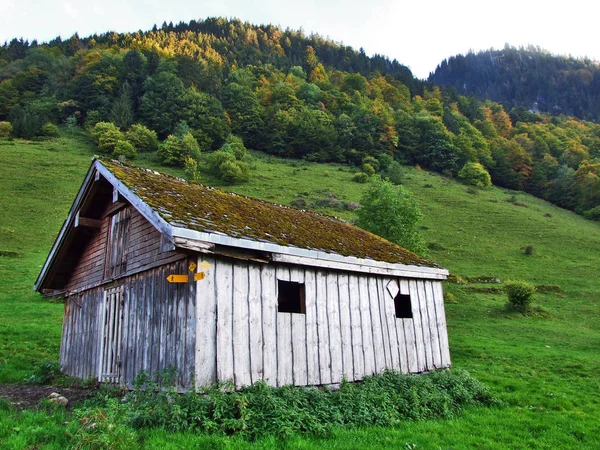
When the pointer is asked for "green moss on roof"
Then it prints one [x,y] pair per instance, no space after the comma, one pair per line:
[207,209]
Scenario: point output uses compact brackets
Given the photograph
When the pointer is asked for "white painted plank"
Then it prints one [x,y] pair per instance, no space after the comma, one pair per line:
[381,353]
[223,277]
[323,327]
[335,338]
[433,328]
[425,325]
[284,339]
[390,317]
[358,360]
[345,327]
[366,326]
[441,320]
[299,364]
[241,333]
[312,337]
[409,333]
[414,300]
[401,338]
[255,318]
[269,314]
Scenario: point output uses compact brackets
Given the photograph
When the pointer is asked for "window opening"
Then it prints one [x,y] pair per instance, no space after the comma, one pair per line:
[403,306]
[291,297]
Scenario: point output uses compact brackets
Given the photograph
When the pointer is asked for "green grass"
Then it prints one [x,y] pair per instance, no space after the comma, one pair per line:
[545,365]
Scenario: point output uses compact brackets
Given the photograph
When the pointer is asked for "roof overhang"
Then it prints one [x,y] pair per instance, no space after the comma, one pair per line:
[305,257]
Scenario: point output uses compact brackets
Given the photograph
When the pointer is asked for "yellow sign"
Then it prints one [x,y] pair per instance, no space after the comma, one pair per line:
[177,278]
[192,266]
[199,276]
[205,265]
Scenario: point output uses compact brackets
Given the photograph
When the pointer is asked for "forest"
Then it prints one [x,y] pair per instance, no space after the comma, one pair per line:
[199,93]
[526,77]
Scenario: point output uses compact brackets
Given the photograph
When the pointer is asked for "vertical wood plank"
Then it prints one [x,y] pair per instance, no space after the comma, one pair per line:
[224,278]
[358,357]
[418,326]
[366,326]
[284,338]
[441,320]
[400,336]
[432,321]
[345,327]
[241,333]
[335,338]
[409,333]
[380,345]
[299,369]
[190,335]
[312,337]
[323,327]
[255,318]
[425,325]
[206,327]
[269,314]
[390,318]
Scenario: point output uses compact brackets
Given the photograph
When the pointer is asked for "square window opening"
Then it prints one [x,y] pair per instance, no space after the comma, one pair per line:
[290,297]
[403,306]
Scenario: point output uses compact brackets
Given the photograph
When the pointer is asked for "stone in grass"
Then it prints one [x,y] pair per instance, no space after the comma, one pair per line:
[55,397]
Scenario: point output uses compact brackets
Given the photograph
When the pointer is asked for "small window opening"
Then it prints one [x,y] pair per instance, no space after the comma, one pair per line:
[290,298]
[402,306]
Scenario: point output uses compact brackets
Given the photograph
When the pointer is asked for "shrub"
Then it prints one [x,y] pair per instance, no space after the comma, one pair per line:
[174,151]
[475,174]
[394,173]
[45,372]
[108,141]
[225,166]
[373,162]
[259,411]
[49,130]
[360,177]
[101,128]
[124,149]
[392,213]
[93,117]
[368,169]
[6,130]
[520,295]
[237,147]
[142,138]
[592,214]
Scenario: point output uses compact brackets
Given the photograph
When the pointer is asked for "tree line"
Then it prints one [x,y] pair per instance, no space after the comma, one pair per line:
[218,86]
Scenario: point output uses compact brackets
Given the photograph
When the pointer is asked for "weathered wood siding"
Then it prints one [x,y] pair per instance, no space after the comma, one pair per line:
[350,329]
[142,252]
[158,327]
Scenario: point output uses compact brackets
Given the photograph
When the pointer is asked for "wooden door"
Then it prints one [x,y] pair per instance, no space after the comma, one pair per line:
[112,325]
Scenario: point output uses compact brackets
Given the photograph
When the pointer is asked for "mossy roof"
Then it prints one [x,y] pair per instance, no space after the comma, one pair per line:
[210,210]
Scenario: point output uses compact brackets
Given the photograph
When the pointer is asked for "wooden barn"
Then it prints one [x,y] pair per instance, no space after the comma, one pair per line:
[159,272]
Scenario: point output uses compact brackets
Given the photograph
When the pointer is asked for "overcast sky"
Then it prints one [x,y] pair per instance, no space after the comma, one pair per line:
[417,34]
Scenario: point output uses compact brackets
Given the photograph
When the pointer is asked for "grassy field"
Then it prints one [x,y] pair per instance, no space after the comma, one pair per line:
[545,366]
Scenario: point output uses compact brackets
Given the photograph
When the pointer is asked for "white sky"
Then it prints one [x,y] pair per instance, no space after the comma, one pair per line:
[417,34]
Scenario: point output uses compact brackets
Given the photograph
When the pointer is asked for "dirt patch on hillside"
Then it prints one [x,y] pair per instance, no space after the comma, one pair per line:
[25,396]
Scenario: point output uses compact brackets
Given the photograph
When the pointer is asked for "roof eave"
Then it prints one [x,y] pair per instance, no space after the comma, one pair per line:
[296,255]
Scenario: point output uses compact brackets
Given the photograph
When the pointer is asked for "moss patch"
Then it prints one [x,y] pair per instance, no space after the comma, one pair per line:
[206,209]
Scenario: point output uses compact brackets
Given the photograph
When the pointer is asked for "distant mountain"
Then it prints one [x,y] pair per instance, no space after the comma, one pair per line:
[526,77]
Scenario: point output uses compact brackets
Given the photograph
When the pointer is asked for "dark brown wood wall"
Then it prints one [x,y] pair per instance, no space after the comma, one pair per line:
[158,320]
[143,252]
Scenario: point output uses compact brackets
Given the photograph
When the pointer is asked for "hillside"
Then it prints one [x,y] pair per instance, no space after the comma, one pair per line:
[545,366]
[291,95]
[526,79]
